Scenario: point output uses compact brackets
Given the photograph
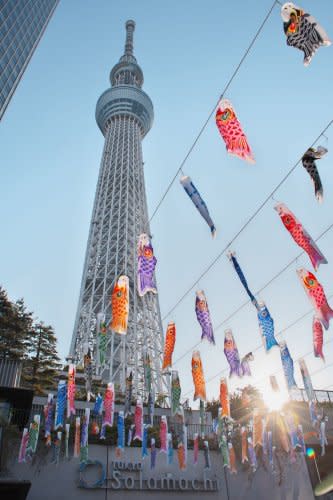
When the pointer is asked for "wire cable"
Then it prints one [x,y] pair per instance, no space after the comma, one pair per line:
[180,168]
[260,346]
[244,226]
[234,313]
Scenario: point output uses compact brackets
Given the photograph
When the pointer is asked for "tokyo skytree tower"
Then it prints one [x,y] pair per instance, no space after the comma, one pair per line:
[124,114]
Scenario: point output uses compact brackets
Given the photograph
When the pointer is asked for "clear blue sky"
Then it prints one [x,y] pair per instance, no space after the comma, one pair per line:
[51,148]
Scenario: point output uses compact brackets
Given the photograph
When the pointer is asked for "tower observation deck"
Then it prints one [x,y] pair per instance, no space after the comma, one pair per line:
[124,114]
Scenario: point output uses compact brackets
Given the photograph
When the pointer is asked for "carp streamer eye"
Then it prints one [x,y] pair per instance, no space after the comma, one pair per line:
[310,282]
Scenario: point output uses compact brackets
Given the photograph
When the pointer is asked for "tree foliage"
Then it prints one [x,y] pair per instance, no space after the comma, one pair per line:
[43,364]
[15,327]
[25,339]
[242,403]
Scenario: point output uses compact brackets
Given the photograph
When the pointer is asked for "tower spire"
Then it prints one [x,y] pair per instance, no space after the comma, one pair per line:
[124,113]
[130,27]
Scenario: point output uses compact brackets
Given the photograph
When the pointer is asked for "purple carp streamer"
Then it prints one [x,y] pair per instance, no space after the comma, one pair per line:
[237,367]
[203,317]
[287,365]
[306,380]
[146,266]
[302,31]
[198,202]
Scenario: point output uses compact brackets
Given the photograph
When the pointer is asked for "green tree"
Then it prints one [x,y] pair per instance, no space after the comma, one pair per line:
[15,327]
[213,407]
[244,401]
[41,368]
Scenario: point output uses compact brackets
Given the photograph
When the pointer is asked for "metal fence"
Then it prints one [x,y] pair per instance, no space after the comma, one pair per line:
[10,372]
[320,396]
[22,418]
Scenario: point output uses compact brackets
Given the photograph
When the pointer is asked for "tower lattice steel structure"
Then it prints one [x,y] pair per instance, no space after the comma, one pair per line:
[124,113]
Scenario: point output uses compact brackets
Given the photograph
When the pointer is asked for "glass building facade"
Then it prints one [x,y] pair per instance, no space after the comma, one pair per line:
[22,24]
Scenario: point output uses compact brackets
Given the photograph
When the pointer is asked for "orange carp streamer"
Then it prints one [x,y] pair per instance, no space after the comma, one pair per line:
[181,456]
[120,305]
[244,445]
[224,398]
[170,339]
[232,459]
[198,377]
[257,428]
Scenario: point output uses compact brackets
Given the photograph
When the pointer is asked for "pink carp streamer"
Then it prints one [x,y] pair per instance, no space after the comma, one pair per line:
[318,338]
[108,409]
[164,434]
[232,132]
[316,295]
[138,420]
[300,235]
[71,391]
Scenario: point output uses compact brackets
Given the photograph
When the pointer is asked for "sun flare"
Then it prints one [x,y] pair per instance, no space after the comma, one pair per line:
[275,400]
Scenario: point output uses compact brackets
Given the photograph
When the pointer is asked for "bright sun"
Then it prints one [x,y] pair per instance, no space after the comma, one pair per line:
[274,400]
